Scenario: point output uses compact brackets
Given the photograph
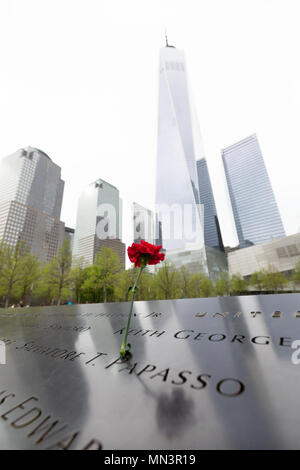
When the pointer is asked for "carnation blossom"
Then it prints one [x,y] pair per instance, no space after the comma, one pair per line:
[140,254]
[145,253]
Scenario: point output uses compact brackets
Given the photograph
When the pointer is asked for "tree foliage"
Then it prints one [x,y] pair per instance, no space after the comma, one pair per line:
[238,284]
[22,278]
[222,285]
[126,280]
[102,276]
[57,274]
[273,280]
[257,280]
[13,269]
[295,278]
[29,276]
[166,282]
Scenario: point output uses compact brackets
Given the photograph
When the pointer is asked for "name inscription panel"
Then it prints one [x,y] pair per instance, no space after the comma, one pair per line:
[219,373]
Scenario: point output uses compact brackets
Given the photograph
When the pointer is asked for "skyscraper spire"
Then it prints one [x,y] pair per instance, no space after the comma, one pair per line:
[167,45]
[166,36]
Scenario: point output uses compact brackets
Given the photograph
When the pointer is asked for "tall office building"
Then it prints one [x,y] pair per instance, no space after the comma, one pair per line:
[179,216]
[143,224]
[255,211]
[212,233]
[30,202]
[98,222]
[69,235]
[177,149]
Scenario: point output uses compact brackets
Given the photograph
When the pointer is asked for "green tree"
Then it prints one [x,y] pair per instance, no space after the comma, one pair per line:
[92,287]
[57,274]
[206,287]
[78,276]
[2,264]
[222,284]
[201,286]
[237,284]
[13,265]
[166,282]
[126,279]
[144,287]
[29,275]
[103,274]
[43,289]
[257,280]
[2,257]
[295,278]
[186,282]
[274,280]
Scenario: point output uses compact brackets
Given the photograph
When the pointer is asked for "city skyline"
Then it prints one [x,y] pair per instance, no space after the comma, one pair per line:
[79,93]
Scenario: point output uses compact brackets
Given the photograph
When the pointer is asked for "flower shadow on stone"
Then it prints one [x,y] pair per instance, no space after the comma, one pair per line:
[175,413]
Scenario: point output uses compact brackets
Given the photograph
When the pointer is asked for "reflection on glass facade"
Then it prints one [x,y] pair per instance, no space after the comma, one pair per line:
[205,259]
[143,224]
[212,234]
[255,211]
[98,222]
[176,177]
[30,202]
[194,259]
[69,235]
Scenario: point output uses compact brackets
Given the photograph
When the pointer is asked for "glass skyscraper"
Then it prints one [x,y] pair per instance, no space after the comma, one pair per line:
[212,233]
[255,211]
[180,212]
[31,195]
[177,150]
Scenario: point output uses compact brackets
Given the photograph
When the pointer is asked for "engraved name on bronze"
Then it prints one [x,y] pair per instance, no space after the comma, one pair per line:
[39,426]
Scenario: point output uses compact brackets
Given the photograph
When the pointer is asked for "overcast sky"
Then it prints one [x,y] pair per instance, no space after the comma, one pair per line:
[79,80]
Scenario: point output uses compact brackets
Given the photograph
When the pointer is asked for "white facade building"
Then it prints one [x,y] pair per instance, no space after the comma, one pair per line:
[99,217]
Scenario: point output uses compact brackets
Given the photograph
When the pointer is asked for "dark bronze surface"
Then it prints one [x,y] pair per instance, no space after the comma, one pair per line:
[204,374]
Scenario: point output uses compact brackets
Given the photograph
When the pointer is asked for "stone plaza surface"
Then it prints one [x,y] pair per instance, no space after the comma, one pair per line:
[204,374]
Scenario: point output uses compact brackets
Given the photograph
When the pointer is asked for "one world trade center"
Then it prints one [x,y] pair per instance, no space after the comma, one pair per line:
[179,213]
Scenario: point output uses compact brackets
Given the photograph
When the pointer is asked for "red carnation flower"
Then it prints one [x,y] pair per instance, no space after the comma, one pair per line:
[140,254]
[144,253]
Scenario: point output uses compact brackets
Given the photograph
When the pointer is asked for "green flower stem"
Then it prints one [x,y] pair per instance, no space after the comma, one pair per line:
[124,343]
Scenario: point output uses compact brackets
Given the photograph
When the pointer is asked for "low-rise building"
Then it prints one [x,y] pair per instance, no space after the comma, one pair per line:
[282,254]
